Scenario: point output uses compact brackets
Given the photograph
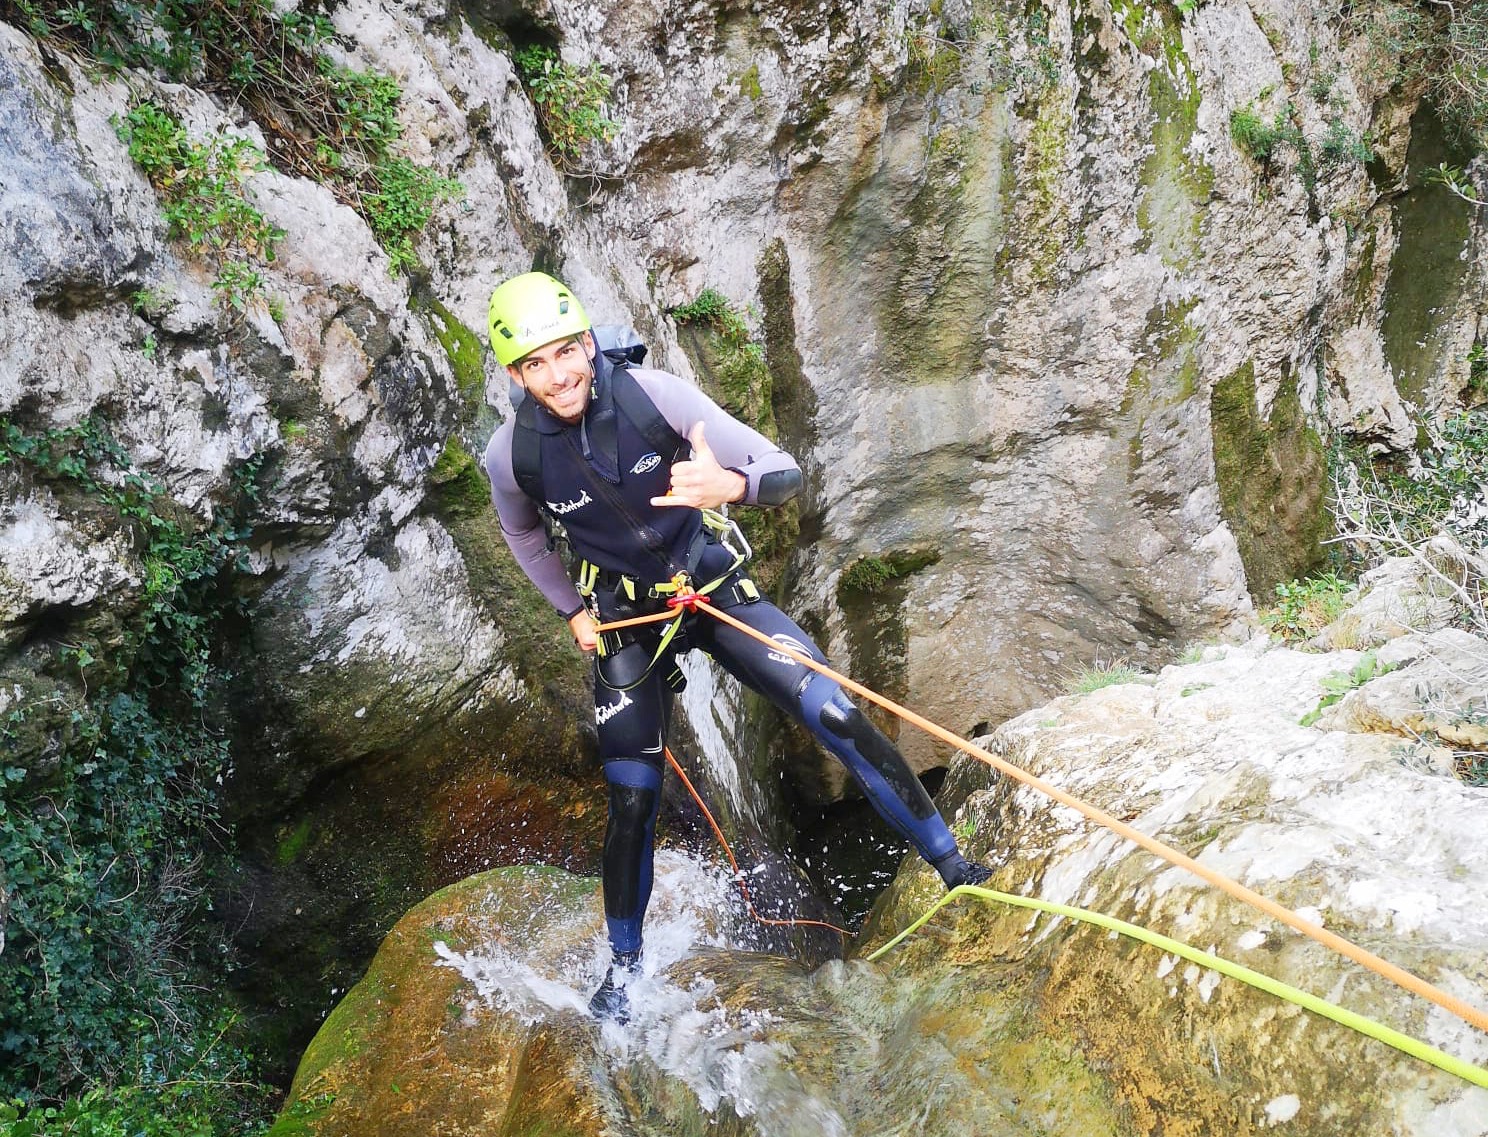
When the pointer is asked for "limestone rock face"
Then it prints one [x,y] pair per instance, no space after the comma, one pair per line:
[1052,335]
[994,1019]
[1053,350]
[382,610]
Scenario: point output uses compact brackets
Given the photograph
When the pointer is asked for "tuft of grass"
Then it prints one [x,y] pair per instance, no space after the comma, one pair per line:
[1098,675]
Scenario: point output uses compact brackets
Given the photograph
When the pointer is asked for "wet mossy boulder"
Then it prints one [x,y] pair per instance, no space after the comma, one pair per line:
[993,1019]
[404,1053]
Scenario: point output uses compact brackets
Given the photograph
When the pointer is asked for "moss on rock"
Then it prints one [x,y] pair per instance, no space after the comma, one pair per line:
[1271,475]
[402,1054]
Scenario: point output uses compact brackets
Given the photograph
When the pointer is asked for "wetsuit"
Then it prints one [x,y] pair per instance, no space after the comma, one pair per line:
[598,477]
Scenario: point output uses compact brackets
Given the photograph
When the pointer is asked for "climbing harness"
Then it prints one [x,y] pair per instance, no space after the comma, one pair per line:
[679,595]
[697,599]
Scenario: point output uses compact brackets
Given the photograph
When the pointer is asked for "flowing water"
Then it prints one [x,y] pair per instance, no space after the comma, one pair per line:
[678,1021]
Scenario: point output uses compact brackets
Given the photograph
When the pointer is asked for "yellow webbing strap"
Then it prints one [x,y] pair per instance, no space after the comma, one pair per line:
[1402,1042]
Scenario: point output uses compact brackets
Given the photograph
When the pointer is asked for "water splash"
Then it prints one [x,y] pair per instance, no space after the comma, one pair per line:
[722,1053]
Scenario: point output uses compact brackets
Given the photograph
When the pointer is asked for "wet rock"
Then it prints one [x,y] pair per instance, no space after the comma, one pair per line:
[991,1019]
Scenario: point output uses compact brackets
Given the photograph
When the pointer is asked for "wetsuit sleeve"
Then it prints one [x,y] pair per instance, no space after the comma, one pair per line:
[736,446]
[522,527]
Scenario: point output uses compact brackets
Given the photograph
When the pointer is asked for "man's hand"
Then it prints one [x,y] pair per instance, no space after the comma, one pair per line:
[581,624]
[700,482]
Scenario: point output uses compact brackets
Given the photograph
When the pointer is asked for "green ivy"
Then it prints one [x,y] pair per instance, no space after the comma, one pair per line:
[111,971]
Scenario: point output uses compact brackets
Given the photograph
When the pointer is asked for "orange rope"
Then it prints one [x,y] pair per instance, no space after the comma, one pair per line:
[739,876]
[654,618]
[1462,1010]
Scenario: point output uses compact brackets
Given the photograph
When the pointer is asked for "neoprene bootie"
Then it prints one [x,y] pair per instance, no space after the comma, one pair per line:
[609,1002]
[956,870]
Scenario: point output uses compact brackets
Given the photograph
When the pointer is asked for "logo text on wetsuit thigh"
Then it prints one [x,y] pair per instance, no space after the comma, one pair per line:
[604,714]
[790,642]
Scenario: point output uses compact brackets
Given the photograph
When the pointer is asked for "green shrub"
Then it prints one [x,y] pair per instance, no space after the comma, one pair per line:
[201,193]
[1340,146]
[1391,505]
[1442,47]
[570,100]
[1305,607]
[112,976]
[401,205]
[743,379]
[1261,139]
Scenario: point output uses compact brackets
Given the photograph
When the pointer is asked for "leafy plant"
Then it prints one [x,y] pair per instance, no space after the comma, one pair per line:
[1261,139]
[1305,607]
[102,842]
[1337,684]
[401,204]
[201,189]
[1340,146]
[323,121]
[1454,180]
[570,100]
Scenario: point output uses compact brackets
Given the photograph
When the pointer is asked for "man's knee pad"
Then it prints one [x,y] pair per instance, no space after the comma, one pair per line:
[843,720]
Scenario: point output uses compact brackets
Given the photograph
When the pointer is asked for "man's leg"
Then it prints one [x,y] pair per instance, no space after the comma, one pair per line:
[631,725]
[821,705]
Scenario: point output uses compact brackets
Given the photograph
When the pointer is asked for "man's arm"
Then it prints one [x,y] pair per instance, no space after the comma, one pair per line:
[522,527]
[771,476]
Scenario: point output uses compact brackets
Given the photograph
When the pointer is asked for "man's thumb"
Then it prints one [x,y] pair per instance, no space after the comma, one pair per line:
[699,443]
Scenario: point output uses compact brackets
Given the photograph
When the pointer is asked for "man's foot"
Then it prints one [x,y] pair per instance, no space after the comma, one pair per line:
[609,1002]
[955,870]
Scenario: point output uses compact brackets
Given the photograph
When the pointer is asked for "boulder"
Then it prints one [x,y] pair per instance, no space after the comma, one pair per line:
[991,1019]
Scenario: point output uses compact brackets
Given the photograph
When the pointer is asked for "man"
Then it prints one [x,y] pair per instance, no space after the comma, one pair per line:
[598,444]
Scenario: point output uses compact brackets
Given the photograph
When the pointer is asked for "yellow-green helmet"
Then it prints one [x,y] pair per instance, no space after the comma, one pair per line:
[530,310]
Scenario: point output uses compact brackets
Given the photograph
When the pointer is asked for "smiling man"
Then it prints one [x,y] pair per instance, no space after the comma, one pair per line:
[635,463]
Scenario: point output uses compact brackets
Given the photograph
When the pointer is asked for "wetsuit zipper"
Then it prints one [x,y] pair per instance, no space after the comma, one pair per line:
[648,537]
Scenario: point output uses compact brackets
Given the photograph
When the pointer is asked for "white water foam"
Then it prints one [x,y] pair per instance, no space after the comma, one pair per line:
[678,1022]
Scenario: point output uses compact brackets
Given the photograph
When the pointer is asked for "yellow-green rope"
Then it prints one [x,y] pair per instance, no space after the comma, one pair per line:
[1402,1042]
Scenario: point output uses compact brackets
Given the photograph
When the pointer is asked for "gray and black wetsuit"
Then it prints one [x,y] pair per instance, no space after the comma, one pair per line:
[604,502]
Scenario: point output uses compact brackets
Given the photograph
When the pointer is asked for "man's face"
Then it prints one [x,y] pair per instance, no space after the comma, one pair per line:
[558,375]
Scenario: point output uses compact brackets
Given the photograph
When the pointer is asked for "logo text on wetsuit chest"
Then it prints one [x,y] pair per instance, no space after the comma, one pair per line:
[562,507]
[647,463]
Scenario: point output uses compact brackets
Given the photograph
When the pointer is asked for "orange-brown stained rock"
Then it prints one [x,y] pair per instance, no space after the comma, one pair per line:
[404,1053]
